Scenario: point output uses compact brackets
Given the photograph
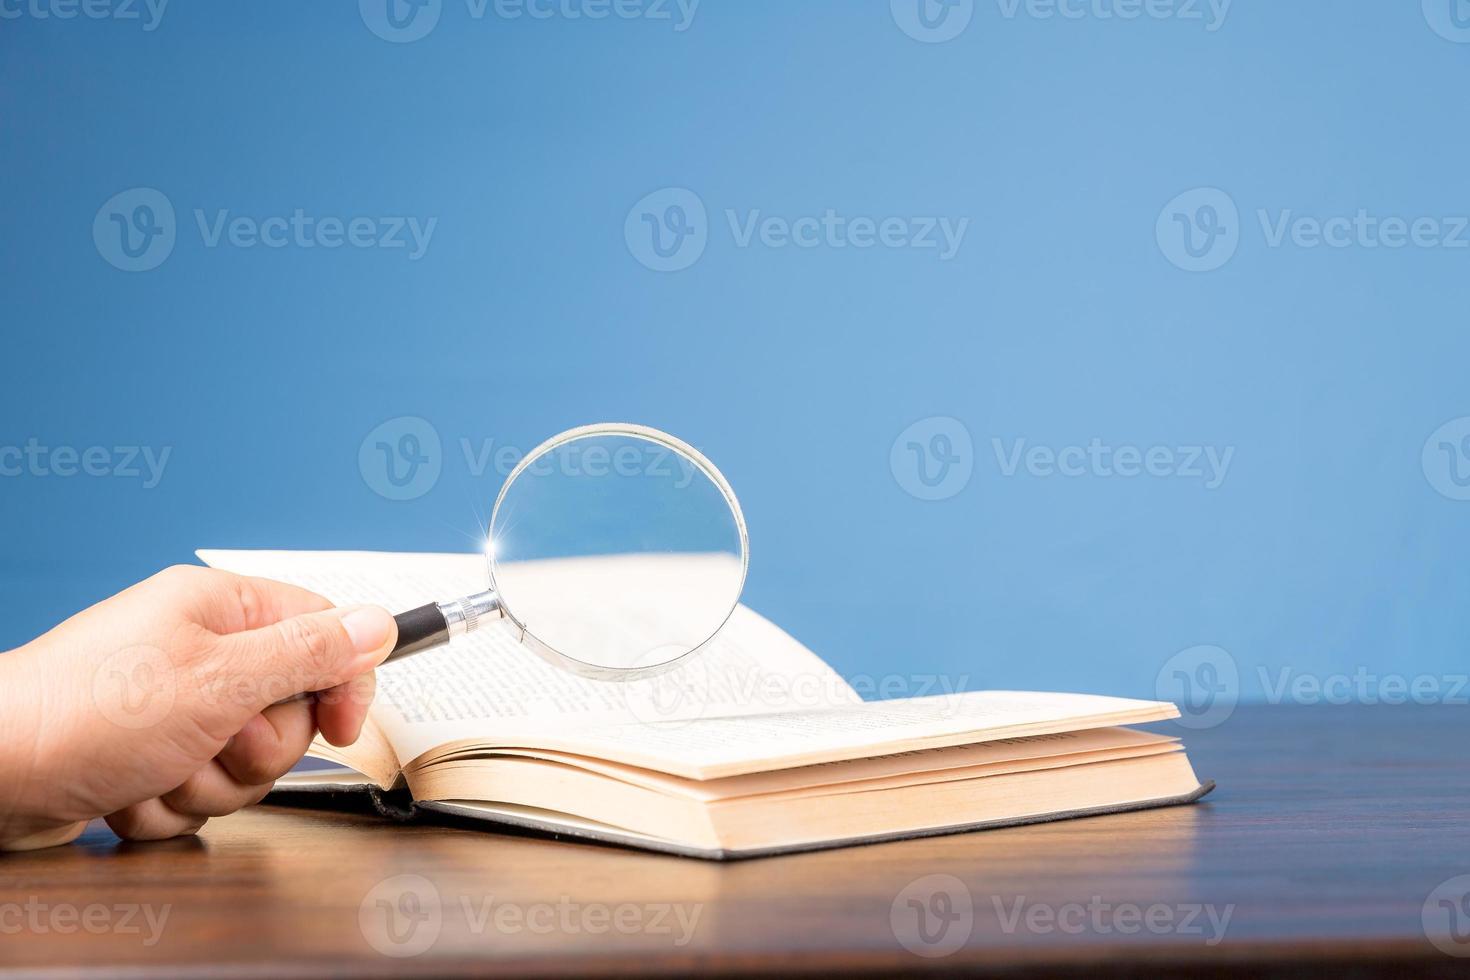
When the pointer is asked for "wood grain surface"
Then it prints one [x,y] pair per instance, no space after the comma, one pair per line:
[1334,841]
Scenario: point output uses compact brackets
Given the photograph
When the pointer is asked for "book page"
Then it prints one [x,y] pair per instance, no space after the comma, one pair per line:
[903,768]
[713,746]
[487,686]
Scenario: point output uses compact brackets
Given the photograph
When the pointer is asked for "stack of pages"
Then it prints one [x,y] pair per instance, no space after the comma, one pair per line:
[755,747]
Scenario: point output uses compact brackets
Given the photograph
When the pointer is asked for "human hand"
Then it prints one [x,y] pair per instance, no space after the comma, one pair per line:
[157,708]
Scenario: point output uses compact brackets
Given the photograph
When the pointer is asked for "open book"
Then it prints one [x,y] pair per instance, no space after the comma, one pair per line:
[756,746]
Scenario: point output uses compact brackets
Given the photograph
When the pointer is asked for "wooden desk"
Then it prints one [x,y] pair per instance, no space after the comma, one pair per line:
[1330,830]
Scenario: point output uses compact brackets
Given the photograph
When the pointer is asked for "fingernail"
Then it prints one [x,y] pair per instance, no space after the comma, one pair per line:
[368,627]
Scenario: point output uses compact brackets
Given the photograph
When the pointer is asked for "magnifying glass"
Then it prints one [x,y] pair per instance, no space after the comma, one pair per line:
[616,551]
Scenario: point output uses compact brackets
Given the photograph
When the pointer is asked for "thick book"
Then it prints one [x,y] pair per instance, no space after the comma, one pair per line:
[755,747]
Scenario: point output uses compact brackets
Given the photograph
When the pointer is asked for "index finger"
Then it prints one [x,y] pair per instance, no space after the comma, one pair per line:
[246,602]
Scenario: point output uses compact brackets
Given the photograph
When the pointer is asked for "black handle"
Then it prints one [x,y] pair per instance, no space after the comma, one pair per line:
[418,630]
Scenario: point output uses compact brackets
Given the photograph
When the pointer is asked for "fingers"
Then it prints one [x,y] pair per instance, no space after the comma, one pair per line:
[269,744]
[264,750]
[264,601]
[213,792]
[51,837]
[340,712]
[152,820]
[311,652]
[226,603]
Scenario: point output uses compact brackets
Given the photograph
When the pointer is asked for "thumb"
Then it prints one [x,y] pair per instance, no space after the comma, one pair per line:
[312,652]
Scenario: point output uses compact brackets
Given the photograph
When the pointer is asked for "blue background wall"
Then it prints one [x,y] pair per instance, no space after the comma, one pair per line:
[1334,543]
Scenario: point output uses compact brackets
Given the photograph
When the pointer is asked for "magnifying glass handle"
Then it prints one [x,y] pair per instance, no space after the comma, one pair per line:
[418,630]
[435,624]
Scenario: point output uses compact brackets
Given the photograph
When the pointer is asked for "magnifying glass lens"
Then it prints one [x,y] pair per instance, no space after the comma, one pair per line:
[618,551]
